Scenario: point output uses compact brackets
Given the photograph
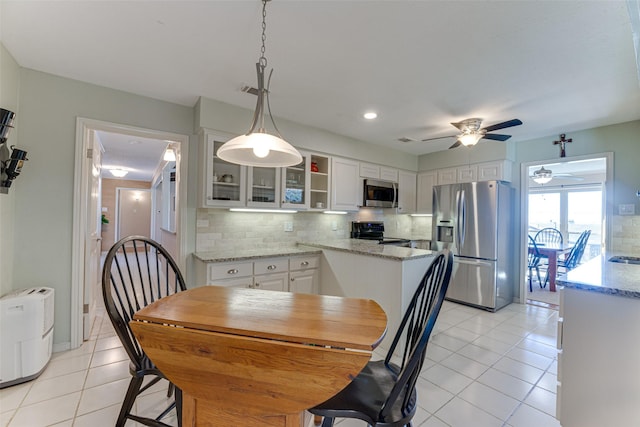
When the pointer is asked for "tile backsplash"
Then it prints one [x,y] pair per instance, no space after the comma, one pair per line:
[625,235]
[217,228]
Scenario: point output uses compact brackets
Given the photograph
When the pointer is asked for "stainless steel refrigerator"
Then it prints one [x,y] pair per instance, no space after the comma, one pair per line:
[475,220]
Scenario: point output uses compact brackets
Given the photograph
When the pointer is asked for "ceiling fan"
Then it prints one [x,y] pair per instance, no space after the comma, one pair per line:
[472,133]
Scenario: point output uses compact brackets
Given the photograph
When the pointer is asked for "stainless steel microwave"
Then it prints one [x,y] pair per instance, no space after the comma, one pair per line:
[380,194]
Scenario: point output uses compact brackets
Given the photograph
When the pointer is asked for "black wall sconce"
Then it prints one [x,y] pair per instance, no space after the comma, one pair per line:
[11,160]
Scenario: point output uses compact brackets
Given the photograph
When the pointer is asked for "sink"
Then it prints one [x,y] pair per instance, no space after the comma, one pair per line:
[625,259]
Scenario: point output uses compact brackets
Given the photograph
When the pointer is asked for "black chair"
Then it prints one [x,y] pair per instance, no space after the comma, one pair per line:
[533,262]
[383,393]
[574,256]
[138,271]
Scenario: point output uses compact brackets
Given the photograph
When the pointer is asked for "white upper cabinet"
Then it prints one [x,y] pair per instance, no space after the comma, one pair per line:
[263,187]
[345,184]
[320,171]
[388,174]
[406,192]
[467,173]
[295,185]
[368,170]
[498,170]
[426,181]
[223,184]
[447,176]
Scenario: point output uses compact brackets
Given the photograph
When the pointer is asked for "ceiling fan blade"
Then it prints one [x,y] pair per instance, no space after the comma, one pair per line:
[460,125]
[457,144]
[438,137]
[496,136]
[503,125]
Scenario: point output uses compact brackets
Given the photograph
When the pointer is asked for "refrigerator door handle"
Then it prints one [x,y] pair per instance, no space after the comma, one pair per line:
[457,226]
[463,217]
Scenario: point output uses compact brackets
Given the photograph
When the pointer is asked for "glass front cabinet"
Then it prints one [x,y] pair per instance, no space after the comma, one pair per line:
[224,183]
[264,187]
[302,187]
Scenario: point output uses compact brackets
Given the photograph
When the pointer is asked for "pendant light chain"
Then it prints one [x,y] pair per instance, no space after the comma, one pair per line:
[263,59]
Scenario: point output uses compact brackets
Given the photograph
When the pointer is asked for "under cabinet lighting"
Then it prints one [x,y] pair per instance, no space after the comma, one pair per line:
[421,215]
[262,210]
[335,212]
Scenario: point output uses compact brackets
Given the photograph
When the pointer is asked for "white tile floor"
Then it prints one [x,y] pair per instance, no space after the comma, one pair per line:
[482,369]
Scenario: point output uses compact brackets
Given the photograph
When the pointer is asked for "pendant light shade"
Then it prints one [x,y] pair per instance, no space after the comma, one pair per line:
[257,147]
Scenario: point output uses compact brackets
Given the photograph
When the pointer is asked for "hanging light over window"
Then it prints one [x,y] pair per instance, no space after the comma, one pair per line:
[542,175]
[257,147]
[169,155]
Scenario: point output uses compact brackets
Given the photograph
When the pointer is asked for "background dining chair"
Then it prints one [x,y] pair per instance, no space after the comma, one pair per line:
[533,262]
[574,256]
[549,235]
[383,393]
[138,271]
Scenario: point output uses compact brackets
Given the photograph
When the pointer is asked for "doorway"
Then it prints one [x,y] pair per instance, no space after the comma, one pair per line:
[572,201]
[133,217]
[84,292]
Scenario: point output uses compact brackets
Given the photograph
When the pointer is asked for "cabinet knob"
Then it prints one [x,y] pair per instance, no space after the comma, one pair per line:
[304,263]
[293,279]
[271,267]
[233,271]
[257,285]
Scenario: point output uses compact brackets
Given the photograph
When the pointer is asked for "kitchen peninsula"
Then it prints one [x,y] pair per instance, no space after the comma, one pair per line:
[340,267]
[599,345]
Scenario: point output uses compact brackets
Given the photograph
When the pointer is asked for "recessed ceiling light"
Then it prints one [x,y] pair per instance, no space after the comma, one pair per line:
[370,115]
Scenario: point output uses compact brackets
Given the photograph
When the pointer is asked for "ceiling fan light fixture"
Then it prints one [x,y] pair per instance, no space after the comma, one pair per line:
[469,139]
[257,147]
[542,175]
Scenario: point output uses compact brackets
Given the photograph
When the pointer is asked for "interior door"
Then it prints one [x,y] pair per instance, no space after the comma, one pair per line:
[134,212]
[93,238]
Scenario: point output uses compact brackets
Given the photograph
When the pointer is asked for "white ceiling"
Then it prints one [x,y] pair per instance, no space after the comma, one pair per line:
[139,156]
[559,66]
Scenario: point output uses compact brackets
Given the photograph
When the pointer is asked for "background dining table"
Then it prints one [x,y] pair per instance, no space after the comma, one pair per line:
[252,357]
[553,251]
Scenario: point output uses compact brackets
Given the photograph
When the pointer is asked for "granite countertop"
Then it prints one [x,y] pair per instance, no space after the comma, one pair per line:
[371,248]
[224,255]
[601,275]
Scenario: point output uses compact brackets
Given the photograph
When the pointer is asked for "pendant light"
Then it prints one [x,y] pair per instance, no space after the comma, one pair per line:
[542,175]
[257,147]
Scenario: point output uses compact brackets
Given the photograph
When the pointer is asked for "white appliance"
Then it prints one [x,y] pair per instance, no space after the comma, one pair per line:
[26,334]
[475,221]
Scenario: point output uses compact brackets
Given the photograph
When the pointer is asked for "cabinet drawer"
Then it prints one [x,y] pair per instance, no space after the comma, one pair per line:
[229,270]
[272,265]
[304,262]
[239,282]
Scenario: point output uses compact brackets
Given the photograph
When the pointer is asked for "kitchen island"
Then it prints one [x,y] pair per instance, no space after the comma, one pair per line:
[599,345]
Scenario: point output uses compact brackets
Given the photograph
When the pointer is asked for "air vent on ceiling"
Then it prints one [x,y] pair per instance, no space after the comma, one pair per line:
[405,139]
[249,89]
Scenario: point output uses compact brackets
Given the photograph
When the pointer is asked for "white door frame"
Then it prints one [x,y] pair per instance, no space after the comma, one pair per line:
[524,204]
[84,127]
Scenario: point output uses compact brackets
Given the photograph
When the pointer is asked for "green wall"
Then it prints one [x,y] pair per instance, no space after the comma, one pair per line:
[44,192]
[9,91]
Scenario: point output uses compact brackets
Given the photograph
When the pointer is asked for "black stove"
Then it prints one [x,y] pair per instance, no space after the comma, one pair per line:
[374,230]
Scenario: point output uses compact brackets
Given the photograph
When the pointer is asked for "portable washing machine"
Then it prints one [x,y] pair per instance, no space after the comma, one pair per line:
[26,334]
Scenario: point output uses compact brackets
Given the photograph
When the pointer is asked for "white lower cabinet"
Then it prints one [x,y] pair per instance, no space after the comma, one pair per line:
[304,274]
[293,274]
[271,282]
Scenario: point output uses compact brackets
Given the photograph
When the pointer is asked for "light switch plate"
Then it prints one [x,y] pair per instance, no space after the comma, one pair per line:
[288,226]
[627,209]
